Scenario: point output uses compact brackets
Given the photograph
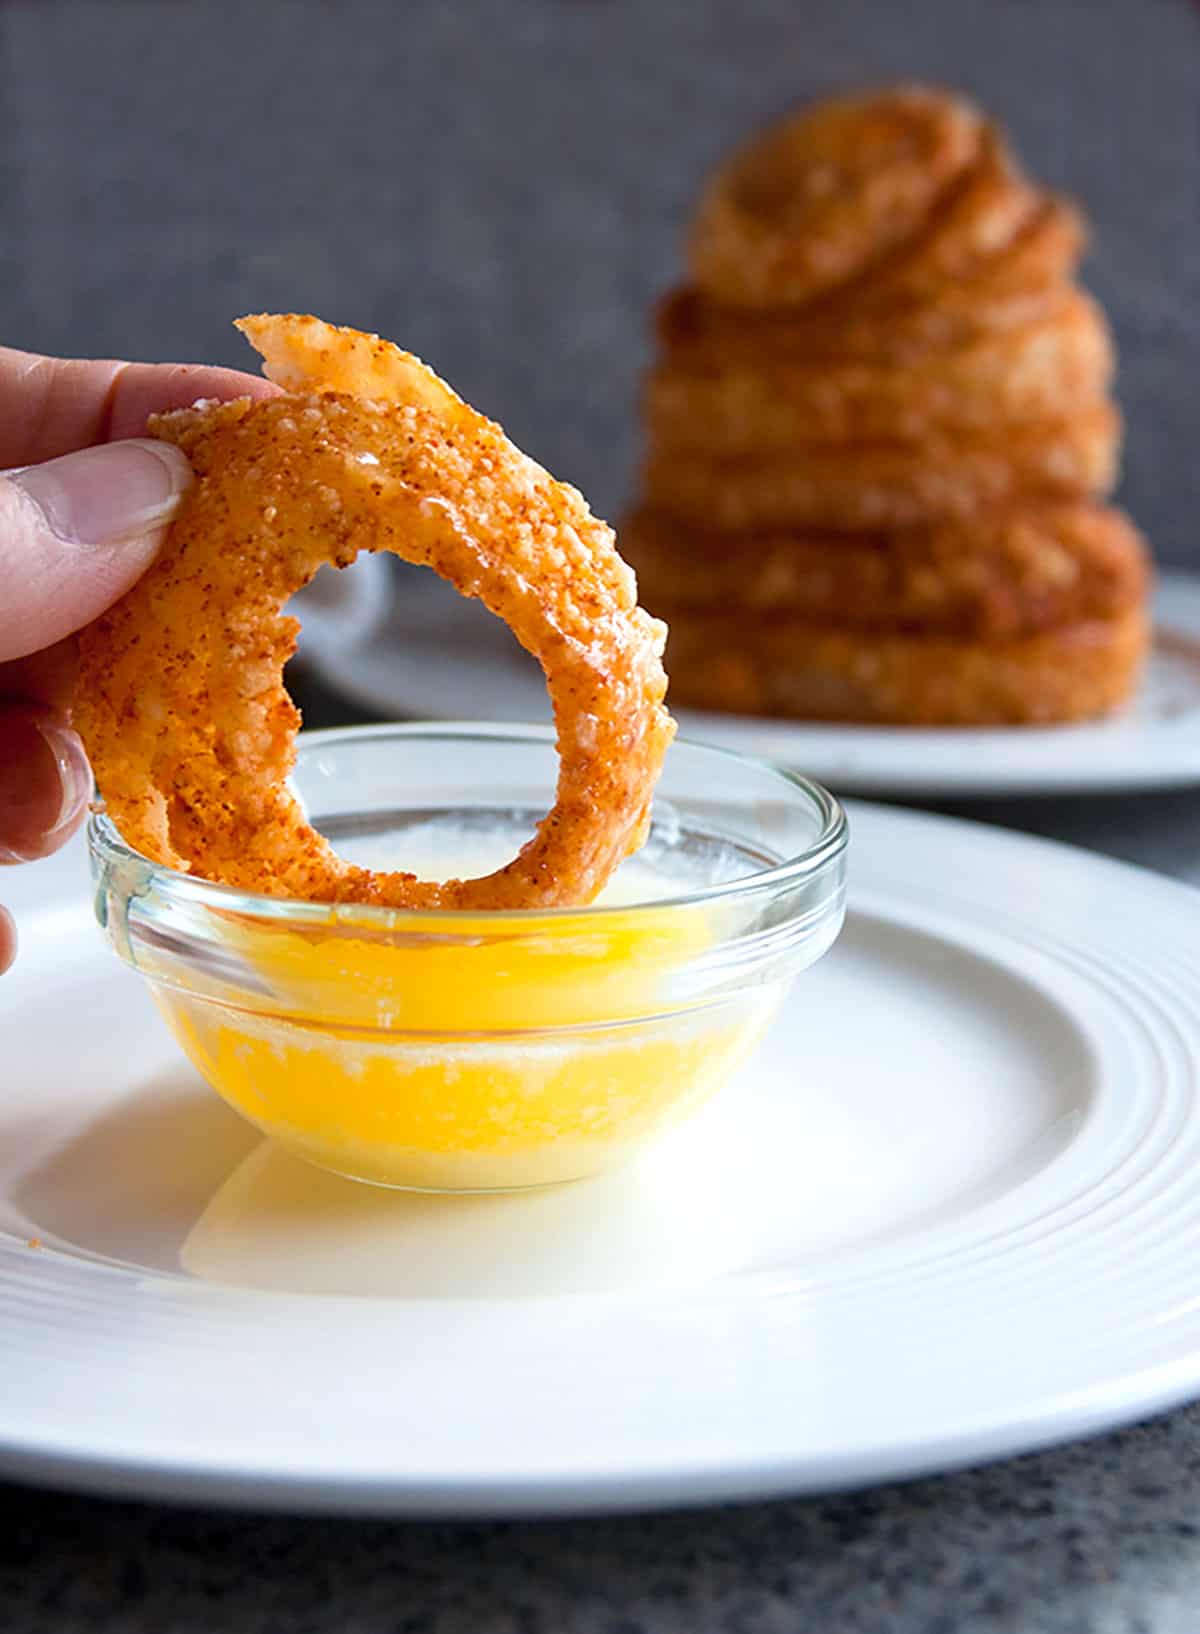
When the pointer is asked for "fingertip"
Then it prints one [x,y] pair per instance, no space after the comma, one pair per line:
[45,784]
[157,388]
[76,532]
[8,940]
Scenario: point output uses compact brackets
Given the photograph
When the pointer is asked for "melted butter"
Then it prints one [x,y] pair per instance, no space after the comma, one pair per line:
[461,1054]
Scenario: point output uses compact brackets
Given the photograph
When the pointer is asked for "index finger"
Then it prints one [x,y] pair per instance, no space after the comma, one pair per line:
[53,405]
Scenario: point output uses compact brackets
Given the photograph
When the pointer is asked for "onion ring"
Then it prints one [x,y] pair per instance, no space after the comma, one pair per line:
[889,484]
[995,577]
[181,703]
[1074,672]
[1023,284]
[815,200]
[974,223]
[1045,371]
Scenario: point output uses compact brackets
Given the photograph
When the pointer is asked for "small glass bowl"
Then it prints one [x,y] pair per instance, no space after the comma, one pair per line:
[486,1051]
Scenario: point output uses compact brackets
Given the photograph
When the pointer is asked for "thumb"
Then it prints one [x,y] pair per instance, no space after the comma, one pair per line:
[76,532]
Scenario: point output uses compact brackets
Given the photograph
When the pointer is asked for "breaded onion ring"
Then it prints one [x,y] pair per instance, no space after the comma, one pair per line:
[1074,672]
[1044,371]
[975,221]
[889,484]
[1021,284]
[995,577]
[181,703]
[815,200]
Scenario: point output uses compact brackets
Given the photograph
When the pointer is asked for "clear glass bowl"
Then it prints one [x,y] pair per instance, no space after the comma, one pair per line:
[483,1051]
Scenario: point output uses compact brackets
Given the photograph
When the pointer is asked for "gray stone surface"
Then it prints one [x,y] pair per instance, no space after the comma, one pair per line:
[1096,1539]
[501,184]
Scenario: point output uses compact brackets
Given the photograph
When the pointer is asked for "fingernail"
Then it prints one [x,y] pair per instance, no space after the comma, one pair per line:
[45,783]
[8,940]
[105,495]
[74,773]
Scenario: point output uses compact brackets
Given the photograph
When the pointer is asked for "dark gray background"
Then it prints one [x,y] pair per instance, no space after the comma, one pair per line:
[500,184]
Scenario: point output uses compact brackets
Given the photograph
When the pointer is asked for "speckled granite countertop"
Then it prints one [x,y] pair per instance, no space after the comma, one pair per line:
[1101,1538]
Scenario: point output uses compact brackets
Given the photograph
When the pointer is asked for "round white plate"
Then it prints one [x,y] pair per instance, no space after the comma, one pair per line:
[951,1213]
[437,656]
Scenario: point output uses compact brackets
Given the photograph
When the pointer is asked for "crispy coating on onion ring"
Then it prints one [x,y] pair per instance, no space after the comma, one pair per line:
[1022,284]
[996,576]
[974,223]
[889,484]
[815,200]
[1044,371]
[1073,672]
[181,703]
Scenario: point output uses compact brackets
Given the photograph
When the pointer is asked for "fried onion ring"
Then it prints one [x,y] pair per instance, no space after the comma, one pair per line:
[1044,371]
[181,703]
[973,224]
[815,200]
[1022,284]
[1074,672]
[889,484]
[995,577]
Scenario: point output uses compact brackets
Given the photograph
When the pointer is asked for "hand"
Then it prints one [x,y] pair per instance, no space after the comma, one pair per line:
[82,514]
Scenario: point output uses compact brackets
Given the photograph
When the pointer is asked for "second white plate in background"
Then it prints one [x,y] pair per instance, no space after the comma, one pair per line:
[437,656]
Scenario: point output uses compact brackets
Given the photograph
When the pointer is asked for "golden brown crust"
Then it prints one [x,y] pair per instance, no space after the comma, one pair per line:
[1022,283]
[181,704]
[1073,673]
[878,428]
[1049,369]
[968,230]
[895,485]
[813,201]
[994,577]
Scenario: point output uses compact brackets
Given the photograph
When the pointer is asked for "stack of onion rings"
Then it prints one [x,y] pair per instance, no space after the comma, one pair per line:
[181,703]
[879,429]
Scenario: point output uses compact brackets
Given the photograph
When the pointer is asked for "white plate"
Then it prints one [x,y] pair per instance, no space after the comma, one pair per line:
[951,1213]
[441,657]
